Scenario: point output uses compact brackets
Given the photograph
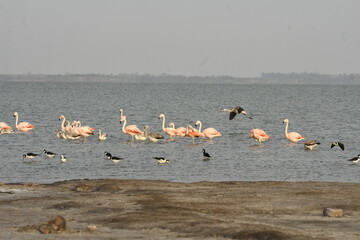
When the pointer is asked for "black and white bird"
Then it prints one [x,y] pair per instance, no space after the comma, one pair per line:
[206,155]
[115,159]
[311,144]
[107,155]
[161,160]
[355,159]
[30,155]
[235,111]
[49,154]
[62,158]
[341,145]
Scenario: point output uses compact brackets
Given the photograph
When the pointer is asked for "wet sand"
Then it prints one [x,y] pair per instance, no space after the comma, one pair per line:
[137,209]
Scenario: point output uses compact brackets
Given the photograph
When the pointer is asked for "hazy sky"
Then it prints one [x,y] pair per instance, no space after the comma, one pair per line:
[240,38]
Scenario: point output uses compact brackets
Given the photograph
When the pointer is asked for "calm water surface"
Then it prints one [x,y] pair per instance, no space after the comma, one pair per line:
[323,113]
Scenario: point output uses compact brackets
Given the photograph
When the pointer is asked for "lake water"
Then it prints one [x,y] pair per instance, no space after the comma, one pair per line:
[321,112]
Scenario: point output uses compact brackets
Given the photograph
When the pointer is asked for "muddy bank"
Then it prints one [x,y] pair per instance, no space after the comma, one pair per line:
[129,209]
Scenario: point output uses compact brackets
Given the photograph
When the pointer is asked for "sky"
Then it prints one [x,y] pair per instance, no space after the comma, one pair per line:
[240,38]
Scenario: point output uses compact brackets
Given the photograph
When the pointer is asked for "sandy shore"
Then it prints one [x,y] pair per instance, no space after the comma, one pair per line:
[136,209]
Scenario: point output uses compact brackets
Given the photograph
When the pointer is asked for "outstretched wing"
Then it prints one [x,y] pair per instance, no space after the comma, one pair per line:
[232,115]
[341,145]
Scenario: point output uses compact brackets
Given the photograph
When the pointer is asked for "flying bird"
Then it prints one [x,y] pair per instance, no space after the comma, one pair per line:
[235,111]
[341,145]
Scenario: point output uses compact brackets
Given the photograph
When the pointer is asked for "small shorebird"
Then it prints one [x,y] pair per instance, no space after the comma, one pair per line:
[311,144]
[206,155]
[107,155]
[341,145]
[355,159]
[235,111]
[115,159]
[49,154]
[161,160]
[30,155]
[102,136]
[62,158]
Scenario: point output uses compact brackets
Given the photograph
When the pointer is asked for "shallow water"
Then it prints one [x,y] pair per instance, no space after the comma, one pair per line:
[323,113]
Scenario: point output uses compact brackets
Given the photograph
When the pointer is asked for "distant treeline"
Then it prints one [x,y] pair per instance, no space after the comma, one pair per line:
[265,78]
[310,78]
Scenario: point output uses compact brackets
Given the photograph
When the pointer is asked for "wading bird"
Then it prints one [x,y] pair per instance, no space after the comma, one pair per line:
[292,136]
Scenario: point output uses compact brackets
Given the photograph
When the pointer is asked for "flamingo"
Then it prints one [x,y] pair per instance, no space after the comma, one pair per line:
[181,131]
[102,136]
[169,131]
[150,138]
[259,135]
[292,136]
[23,126]
[153,136]
[5,128]
[208,132]
[235,111]
[131,130]
[84,131]
[193,133]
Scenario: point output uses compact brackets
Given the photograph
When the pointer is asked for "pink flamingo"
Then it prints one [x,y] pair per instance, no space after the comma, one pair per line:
[85,131]
[23,126]
[131,130]
[180,131]
[208,132]
[292,136]
[193,133]
[5,128]
[259,135]
[169,131]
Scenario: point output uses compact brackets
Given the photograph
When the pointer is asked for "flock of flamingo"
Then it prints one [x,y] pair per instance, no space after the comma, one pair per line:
[75,130]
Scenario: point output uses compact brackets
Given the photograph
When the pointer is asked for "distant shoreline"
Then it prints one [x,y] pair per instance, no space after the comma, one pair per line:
[266,78]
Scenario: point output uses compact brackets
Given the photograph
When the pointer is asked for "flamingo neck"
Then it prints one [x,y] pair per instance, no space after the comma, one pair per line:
[16,120]
[123,127]
[286,129]
[63,124]
[200,126]
[163,124]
